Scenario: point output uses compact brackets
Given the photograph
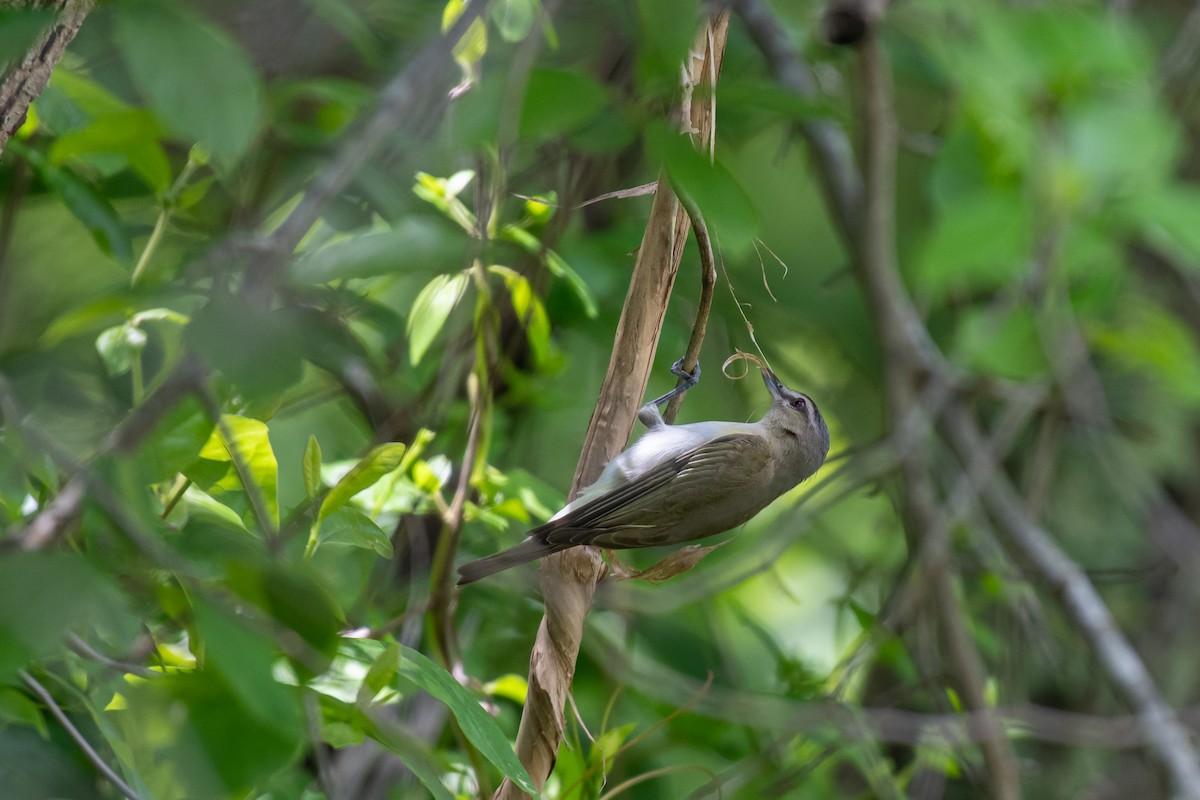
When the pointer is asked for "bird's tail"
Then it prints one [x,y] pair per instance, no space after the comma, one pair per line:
[523,553]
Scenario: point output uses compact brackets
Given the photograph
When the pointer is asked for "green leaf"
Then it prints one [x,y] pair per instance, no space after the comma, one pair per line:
[199,82]
[430,311]
[297,598]
[21,26]
[176,440]
[68,593]
[473,44]
[222,333]
[350,526]
[415,242]
[430,476]
[1006,345]
[373,466]
[382,672]
[727,208]
[132,133]
[1153,341]
[514,18]
[608,746]
[202,504]
[475,723]
[558,102]
[87,205]
[410,750]
[249,438]
[311,467]
[558,267]
[244,659]
[15,707]
[119,347]
[1168,218]
[190,735]
[981,241]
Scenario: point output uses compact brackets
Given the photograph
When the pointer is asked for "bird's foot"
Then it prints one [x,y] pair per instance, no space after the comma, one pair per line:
[649,414]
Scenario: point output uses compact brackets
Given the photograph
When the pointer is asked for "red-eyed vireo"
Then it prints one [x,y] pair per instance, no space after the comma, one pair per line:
[678,483]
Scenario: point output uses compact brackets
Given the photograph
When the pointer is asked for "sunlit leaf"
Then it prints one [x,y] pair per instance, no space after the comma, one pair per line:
[311,467]
[430,311]
[373,466]
[381,674]
[554,262]
[249,439]
[133,133]
[475,723]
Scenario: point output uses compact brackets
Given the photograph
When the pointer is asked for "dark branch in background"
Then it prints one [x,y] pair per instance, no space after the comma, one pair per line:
[406,92]
[81,647]
[925,522]
[1160,727]
[827,142]
[771,712]
[58,515]
[26,80]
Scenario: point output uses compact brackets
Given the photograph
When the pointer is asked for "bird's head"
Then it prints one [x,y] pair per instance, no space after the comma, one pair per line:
[795,414]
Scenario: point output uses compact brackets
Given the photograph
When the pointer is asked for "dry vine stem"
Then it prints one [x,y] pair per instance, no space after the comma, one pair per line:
[569,578]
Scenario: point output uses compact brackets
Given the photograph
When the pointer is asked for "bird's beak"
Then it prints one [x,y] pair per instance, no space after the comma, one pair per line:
[774,385]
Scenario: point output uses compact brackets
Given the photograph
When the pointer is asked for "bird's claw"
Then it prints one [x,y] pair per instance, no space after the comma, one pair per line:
[692,378]
[649,414]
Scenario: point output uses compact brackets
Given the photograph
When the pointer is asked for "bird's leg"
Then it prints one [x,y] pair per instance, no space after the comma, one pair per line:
[649,414]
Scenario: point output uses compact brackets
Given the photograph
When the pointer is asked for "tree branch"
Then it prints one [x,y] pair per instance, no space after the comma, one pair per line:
[108,772]
[26,81]
[1164,734]
[399,98]
[569,578]
[708,281]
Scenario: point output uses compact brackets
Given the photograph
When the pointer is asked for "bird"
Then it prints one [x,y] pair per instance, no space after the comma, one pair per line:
[679,483]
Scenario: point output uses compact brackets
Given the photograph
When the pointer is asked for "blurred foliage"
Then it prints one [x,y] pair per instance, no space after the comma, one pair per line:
[256,565]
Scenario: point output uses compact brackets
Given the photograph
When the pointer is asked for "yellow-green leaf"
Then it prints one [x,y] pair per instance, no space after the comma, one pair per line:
[374,465]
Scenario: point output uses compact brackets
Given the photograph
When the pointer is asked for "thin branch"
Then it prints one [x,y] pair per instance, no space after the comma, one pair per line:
[79,739]
[708,280]
[81,647]
[59,515]
[770,712]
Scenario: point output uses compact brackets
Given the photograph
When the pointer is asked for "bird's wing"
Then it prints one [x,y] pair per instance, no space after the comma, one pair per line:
[631,514]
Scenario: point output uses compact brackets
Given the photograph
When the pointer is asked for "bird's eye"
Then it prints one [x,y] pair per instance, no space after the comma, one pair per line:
[799,404]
